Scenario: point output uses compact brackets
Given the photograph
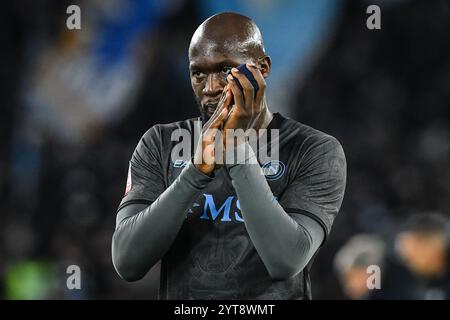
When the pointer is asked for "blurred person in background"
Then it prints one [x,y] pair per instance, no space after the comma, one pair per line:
[352,263]
[420,267]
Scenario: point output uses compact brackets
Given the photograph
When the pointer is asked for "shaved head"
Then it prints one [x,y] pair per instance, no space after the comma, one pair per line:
[227,32]
[221,42]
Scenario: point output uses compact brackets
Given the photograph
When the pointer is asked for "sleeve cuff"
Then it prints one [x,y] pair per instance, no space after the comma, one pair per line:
[195,177]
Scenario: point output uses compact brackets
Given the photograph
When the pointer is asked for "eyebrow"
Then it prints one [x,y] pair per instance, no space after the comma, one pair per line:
[224,62]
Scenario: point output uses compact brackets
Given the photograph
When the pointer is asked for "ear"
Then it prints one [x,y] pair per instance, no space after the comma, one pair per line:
[265,66]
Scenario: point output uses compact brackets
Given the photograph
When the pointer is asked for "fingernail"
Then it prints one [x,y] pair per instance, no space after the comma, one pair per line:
[235,70]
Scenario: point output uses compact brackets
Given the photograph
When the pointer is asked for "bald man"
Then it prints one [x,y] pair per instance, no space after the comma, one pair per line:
[239,229]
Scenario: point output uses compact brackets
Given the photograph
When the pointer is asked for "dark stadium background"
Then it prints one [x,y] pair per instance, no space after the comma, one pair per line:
[75,103]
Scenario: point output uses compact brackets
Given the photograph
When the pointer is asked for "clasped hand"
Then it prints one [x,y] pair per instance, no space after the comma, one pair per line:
[237,110]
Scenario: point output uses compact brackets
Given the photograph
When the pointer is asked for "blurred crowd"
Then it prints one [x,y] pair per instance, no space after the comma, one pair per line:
[385,94]
[75,103]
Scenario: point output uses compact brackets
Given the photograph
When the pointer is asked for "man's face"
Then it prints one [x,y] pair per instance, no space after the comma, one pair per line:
[208,72]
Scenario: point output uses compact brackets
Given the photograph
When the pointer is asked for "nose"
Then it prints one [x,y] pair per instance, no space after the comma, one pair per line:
[214,85]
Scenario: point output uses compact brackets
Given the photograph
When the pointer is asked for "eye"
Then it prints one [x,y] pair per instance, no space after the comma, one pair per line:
[198,75]
[226,69]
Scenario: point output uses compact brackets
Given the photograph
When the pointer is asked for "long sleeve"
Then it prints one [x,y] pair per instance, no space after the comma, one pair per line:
[141,239]
[284,242]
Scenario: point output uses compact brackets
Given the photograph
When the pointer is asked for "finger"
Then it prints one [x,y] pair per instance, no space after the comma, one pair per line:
[225,99]
[249,95]
[227,104]
[220,106]
[237,94]
[260,80]
[210,133]
[223,96]
[228,99]
[249,91]
[220,119]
